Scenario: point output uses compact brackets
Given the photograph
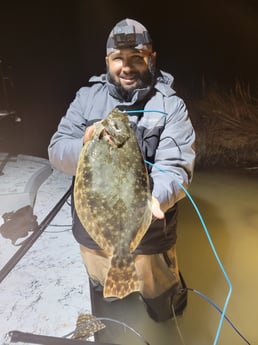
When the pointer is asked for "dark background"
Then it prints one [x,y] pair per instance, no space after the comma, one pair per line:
[50,48]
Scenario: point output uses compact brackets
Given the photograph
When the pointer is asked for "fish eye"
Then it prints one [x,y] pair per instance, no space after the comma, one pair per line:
[115,126]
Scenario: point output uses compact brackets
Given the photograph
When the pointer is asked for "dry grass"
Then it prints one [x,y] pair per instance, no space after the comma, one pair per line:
[226,125]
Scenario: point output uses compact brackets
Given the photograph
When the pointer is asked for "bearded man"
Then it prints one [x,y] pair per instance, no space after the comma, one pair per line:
[165,134]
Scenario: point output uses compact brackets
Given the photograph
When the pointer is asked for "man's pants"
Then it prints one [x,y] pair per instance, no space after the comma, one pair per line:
[157,273]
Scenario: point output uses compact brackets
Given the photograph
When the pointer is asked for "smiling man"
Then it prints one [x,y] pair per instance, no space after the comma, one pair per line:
[130,59]
[128,69]
[163,129]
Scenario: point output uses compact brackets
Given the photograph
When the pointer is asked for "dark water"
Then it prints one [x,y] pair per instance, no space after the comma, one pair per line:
[227,202]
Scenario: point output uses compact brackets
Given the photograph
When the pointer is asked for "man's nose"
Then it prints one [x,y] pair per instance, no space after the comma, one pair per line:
[127,64]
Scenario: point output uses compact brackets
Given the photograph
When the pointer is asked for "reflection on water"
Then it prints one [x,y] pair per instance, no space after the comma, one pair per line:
[227,201]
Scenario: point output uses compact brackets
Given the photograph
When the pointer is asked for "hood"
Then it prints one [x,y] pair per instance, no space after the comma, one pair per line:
[164,83]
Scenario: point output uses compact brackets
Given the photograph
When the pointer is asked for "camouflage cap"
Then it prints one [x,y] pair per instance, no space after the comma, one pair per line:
[128,33]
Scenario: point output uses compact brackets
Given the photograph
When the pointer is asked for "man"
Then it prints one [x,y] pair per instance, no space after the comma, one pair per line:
[166,138]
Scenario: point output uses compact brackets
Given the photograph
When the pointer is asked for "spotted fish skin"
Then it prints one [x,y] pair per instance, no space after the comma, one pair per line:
[112,198]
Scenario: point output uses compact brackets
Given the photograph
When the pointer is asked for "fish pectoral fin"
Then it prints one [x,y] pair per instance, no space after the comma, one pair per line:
[122,277]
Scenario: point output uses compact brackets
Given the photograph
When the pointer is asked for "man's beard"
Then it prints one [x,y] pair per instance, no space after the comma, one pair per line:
[144,80]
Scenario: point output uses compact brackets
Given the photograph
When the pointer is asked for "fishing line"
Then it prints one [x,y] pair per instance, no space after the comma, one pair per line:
[60,225]
[148,111]
[213,249]
[68,202]
[177,326]
[203,225]
[150,130]
[219,310]
[58,232]
[143,111]
[89,322]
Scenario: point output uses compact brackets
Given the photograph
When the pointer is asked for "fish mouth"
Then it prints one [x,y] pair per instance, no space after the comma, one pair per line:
[115,140]
[108,136]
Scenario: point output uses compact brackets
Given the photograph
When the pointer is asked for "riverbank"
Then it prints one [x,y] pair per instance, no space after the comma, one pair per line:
[226,124]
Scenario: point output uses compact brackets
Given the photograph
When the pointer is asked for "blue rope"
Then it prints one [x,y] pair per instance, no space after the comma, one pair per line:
[144,111]
[213,249]
[204,227]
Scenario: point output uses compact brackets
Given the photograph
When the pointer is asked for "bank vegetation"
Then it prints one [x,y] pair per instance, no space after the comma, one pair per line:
[226,124]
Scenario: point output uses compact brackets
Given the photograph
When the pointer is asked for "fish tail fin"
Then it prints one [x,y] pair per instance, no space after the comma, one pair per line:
[122,277]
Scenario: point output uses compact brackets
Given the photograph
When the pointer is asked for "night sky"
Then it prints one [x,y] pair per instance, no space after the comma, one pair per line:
[51,48]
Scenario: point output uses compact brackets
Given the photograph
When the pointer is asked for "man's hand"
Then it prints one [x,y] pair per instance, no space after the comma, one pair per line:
[88,133]
[156,210]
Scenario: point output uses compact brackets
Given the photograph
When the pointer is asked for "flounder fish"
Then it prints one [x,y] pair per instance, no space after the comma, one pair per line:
[112,198]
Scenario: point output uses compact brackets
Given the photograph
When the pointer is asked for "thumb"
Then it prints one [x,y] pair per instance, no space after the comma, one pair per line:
[156,210]
[88,133]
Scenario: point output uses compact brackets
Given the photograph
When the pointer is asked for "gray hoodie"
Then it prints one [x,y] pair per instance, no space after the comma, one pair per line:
[165,135]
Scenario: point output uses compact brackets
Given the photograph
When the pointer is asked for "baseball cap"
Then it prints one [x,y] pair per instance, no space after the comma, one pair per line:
[128,33]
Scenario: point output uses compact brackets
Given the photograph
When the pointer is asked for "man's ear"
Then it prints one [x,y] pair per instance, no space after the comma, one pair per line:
[106,59]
